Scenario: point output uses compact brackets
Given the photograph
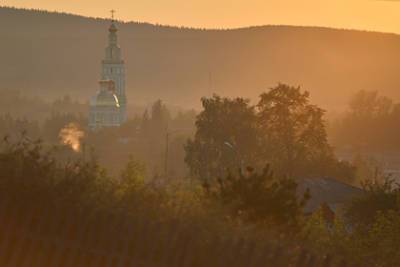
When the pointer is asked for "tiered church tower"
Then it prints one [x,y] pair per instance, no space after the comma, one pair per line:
[113,69]
[108,107]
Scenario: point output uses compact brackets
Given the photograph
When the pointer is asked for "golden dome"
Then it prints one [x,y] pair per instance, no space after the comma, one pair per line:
[113,28]
[107,98]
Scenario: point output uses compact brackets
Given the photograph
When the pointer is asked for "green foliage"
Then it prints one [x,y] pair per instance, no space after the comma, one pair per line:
[30,177]
[370,125]
[133,173]
[367,234]
[325,236]
[369,104]
[254,203]
[33,174]
[260,198]
[24,106]
[144,138]
[379,197]
[384,238]
[226,137]
[294,133]
[13,127]
[284,129]
[134,194]
[375,245]
[79,204]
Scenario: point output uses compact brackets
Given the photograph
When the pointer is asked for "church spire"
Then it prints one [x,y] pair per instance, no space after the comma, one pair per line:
[113,28]
[113,52]
[112,15]
[108,108]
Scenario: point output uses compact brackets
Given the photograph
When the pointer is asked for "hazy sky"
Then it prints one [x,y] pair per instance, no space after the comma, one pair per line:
[379,15]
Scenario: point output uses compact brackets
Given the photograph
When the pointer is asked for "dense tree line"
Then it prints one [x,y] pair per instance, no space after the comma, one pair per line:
[33,108]
[32,180]
[146,139]
[230,198]
[283,129]
[260,198]
[143,137]
[30,177]
[370,124]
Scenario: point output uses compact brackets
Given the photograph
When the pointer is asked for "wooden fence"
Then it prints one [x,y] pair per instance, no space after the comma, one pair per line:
[59,238]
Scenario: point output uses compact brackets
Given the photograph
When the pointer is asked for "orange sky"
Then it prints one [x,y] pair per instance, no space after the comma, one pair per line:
[378,15]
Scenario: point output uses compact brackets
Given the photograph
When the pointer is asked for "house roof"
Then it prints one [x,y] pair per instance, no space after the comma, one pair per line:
[329,191]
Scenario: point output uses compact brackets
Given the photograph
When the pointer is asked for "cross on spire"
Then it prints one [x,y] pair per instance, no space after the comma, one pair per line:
[112,14]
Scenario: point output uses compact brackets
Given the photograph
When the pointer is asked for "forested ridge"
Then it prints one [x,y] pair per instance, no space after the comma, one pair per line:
[52,54]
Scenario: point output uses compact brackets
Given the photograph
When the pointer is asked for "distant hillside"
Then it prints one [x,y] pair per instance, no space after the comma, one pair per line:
[51,54]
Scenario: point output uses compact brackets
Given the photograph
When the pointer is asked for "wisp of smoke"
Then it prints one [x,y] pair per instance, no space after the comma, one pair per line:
[71,135]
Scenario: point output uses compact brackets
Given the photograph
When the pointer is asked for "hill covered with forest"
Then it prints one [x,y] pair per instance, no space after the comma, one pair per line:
[52,54]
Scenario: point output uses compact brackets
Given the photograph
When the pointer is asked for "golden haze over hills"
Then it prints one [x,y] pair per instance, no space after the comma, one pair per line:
[54,54]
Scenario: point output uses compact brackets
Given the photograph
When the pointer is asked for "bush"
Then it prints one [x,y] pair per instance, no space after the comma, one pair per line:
[260,198]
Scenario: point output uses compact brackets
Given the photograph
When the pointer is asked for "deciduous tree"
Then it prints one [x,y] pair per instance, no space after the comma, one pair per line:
[226,137]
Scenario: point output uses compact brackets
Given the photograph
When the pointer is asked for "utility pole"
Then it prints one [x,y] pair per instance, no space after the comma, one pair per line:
[166,153]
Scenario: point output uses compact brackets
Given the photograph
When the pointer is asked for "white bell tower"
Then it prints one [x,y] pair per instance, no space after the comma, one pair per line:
[113,67]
